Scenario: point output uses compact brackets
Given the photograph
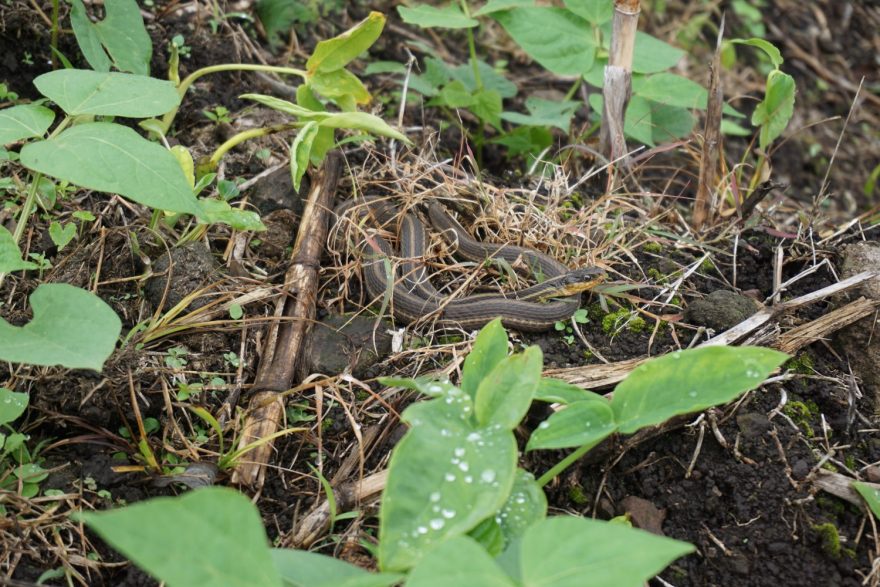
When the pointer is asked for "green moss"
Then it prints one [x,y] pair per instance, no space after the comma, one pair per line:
[850,462]
[652,247]
[802,413]
[707,265]
[830,539]
[802,363]
[655,274]
[577,495]
[614,321]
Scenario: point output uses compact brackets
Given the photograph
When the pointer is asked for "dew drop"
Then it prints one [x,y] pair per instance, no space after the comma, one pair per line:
[436,524]
[487,476]
[435,497]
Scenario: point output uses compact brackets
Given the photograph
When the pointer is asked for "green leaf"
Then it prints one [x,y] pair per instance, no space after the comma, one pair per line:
[490,348]
[766,46]
[279,16]
[569,49]
[12,405]
[159,536]
[637,123]
[215,210]
[295,110]
[505,394]
[339,83]
[574,552]
[299,152]
[870,494]
[445,476]
[594,11]
[651,55]
[525,507]
[525,140]
[670,122]
[489,535]
[689,381]
[114,159]
[454,95]
[361,121]
[672,89]
[545,113]
[10,254]
[299,568]
[71,327]
[460,561]
[561,392]
[122,33]
[24,122]
[487,106]
[579,424]
[498,5]
[775,111]
[339,51]
[490,77]
[448,17]
[62,235]
[80,91]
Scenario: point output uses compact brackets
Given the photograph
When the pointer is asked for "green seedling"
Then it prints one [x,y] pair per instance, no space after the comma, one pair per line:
[566,330]
[571,41]
[218,115]
[454,491]
[20,469]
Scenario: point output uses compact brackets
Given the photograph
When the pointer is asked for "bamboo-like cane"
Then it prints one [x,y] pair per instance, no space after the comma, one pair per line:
[705,206]
[618,79]
[294,314]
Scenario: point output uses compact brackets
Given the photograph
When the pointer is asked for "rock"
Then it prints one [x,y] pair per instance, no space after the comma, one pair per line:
[644,514]
[339,343]
[753,424]
[720,310]
[859,341]
[189,267]
[280,233]
[275,192]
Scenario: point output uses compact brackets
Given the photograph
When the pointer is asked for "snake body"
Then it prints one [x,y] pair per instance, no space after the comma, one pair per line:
[413,297]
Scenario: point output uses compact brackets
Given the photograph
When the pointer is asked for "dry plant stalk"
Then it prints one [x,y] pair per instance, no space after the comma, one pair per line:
[618,79]
[294,315]
[705,205]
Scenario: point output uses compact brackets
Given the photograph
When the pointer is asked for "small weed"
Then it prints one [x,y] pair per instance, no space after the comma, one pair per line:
[652,247]
[581,316]
[218,115]
[616,321]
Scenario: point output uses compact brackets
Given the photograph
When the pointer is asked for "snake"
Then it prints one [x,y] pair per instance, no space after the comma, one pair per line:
[414,298]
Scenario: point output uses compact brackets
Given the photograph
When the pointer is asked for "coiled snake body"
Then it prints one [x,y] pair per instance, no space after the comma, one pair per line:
[413,297]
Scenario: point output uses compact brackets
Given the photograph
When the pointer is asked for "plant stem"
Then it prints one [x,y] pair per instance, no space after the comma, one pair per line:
[248,134]
[574,88]
[472,46]
[53,43]
[191,78]
[564,464]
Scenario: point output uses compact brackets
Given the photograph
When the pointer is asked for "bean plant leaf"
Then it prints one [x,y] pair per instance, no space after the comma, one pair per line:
[689,381]
[448,17]
[122,34]
[490,78]
[584,423]
[445,476]
[215,210]
[115,159]
[340,83]
[336,53]
[487,106]
[12,405]
[672,89]
[651,55]
[299,568]
[670,122]
[525,507]
[870,494]
[505,394]
[62,235]
[775,111]
[10,254]
[498,5]
[766,46]
[594,11]
[81,91]
[459,561]
[561,392]
[159,534]
[570,49]
[24,122]
[490,348]
[637,123]
[299,152]
[576,552]
[545,113]
[362,121]
[71,327]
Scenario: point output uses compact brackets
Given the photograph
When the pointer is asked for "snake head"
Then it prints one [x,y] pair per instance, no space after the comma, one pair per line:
[575,282]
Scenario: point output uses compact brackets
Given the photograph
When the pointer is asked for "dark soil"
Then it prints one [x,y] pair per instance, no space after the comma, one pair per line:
[744,496]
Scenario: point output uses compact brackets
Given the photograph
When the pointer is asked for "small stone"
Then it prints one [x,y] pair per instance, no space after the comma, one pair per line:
[753,424]
[720,310]
[339,342]
[189,267]
[644,514]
